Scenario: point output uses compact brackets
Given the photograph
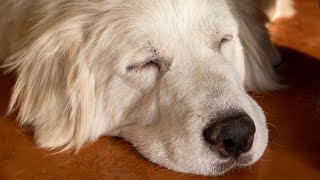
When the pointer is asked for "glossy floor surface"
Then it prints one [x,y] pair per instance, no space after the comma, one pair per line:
[293,118]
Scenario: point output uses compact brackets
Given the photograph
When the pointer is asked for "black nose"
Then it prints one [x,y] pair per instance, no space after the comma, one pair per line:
[231,136]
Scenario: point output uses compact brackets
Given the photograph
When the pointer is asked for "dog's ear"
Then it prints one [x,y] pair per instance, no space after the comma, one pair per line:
[260,54]
[55,88]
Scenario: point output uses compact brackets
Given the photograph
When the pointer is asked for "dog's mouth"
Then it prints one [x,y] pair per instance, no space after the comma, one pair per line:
[230,163]
[225,166]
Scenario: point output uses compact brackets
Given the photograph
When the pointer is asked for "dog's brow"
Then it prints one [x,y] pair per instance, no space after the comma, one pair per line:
[164,61]
[167,64]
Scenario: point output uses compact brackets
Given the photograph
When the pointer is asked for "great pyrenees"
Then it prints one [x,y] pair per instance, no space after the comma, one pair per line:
[169,76]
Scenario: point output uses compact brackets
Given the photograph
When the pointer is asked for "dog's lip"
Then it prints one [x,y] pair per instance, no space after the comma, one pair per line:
[242,161]
[223,167]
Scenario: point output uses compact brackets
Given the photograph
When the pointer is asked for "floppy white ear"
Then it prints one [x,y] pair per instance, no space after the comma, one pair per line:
[260,54]
[54,90]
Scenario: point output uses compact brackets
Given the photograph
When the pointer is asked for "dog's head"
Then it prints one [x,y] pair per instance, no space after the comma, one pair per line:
[168,76]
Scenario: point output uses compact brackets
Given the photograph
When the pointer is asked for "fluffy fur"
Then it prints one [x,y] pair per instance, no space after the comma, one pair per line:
[153,72]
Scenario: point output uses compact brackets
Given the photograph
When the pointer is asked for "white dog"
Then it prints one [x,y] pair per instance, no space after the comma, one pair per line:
[169,76]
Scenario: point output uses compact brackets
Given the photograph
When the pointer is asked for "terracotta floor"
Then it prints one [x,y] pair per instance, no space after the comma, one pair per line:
[293,118]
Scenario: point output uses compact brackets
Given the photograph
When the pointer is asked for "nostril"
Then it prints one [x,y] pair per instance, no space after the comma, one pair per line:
[225,147]
[231,136]
[236,147]
[229,144]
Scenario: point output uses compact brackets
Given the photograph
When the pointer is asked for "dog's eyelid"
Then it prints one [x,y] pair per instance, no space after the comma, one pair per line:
[155,62]
[226,38]
[221,40]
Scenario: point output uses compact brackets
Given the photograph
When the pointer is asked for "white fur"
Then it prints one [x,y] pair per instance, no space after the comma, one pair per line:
[81,73]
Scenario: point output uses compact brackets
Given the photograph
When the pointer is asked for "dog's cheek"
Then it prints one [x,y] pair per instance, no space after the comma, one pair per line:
[130,103]
[143,79]
[149,113]
[144,111]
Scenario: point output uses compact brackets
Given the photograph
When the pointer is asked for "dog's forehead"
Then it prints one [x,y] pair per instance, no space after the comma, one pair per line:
[181,17]
[170,23]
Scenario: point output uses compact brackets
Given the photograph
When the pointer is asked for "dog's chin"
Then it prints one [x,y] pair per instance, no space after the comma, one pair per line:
[241,162]
[219,168]
[225,167]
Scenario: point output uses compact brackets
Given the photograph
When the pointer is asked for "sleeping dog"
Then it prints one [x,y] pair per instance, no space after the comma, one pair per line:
[169,76]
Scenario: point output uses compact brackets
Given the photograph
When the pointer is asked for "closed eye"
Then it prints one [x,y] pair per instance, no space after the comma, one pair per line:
[146,65]
[225,39]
